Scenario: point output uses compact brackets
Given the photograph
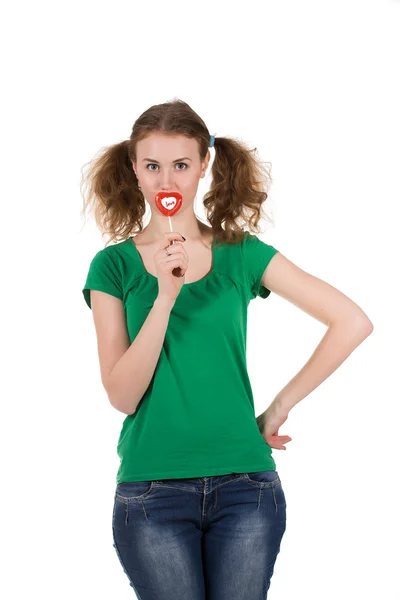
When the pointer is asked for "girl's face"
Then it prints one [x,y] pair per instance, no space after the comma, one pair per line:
[169,164]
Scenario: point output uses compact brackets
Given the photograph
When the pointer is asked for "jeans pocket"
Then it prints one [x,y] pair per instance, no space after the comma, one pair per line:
[127,491]
[268,480]
[262,478]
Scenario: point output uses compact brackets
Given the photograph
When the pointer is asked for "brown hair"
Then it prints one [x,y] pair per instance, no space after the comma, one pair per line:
[237,192]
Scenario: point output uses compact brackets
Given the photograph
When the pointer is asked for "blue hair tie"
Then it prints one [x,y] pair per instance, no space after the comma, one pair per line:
[212,140]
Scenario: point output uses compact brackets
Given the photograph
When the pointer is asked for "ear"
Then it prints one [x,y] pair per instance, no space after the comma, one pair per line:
[205,163]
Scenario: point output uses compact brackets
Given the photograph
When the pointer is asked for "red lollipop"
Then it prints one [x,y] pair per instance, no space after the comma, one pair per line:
[168,203]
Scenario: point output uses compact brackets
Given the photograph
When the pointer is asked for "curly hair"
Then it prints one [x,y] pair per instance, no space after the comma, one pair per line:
[239,181]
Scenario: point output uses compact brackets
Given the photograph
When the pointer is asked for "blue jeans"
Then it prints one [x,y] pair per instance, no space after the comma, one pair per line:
[202,538]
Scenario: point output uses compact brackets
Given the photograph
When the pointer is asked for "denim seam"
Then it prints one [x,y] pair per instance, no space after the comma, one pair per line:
[154,484]
[262,484]
[123,566]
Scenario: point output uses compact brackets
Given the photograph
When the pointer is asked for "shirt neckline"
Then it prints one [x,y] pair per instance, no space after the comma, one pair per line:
[131,243]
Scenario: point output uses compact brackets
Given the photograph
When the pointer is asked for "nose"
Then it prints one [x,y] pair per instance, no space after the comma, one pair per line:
[166,181]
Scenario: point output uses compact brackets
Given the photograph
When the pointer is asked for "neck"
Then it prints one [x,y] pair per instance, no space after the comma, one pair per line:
[185,224]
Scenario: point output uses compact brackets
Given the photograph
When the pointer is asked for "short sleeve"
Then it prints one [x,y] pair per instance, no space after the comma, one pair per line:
[256,257]
[104,276]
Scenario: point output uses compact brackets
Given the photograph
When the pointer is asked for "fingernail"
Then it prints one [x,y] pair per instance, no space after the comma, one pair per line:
[184,238]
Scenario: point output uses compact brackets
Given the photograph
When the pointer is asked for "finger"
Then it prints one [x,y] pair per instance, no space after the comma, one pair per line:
[174,252]
[169,237]
[283,439]
[174,264]
[175,258]
[177,247]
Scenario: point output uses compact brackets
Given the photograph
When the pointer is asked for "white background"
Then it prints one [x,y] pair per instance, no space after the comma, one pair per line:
[315,87]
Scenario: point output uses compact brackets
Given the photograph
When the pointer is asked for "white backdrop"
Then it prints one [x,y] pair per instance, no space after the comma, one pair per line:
[312,85]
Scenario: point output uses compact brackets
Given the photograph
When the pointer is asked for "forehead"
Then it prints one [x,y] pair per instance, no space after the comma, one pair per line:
[163,147]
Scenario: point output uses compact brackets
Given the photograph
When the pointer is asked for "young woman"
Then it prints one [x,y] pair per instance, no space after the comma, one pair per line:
[199,508]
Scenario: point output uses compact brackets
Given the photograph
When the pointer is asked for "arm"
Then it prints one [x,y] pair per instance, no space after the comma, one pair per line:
[127,369]
[347,324]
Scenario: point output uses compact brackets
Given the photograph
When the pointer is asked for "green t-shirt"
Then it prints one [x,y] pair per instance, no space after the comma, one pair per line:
[196,418]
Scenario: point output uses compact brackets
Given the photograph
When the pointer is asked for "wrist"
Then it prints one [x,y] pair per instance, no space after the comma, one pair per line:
[281,405]
[164,302]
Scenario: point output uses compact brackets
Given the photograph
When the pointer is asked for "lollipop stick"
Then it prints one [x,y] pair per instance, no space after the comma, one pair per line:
[170,225]
[175,271]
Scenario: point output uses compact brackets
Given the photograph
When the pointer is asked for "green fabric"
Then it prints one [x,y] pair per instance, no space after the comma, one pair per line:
[196,418]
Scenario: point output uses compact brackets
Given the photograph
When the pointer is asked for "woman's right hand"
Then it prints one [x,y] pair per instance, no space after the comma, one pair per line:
[171,269]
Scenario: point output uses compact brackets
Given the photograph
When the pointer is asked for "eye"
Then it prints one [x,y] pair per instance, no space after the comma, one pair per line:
[154,164]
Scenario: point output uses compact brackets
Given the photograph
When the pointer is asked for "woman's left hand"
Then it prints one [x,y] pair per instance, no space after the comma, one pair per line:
[269,422]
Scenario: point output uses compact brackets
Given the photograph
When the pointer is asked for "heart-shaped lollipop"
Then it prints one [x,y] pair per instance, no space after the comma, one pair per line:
[168,203]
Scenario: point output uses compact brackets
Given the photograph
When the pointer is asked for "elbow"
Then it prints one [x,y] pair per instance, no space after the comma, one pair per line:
[358,322]
[359,327]
[363,329]
[122,406]
[122,402]
[366,325]
[369,327]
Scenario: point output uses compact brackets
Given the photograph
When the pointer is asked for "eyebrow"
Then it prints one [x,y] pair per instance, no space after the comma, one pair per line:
[177,160]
